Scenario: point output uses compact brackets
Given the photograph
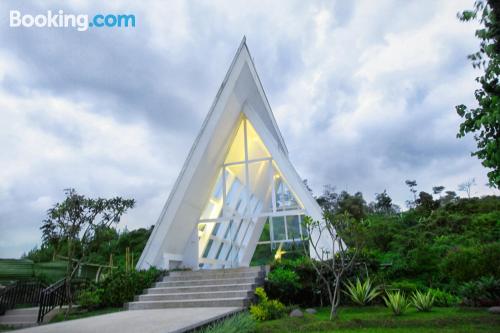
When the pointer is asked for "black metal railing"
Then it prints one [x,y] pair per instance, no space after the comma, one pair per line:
[51,297]
[22,292]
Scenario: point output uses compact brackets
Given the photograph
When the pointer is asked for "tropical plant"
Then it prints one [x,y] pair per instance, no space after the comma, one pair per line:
[443,298]
[284,281]
[397,302]
[266,309]
[482,292]
[423,301]
[240,323]
[361,293]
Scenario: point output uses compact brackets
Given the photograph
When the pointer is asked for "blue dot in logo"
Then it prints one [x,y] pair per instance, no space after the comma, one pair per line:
[91,24]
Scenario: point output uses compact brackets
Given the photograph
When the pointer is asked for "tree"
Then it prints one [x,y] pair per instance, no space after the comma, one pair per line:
[450,196]
[344,233]
[412,184]
[426,203]
[484,120]
[438,189]
[383,203]
[467,186]
[75,220]
[354,204]
[329,199]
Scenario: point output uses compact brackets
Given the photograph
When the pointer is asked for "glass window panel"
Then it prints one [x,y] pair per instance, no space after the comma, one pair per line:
[207,248]
[219,250]
[278,228]
[256,147]
[293,228]
[236,151]
[285,200]
[266,232]
[259,182]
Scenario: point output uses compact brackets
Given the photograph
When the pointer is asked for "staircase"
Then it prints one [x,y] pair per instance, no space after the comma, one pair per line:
[204,288]
[19,318]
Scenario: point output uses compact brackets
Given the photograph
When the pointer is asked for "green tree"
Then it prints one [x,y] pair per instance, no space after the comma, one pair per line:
[484,120]
[383,203]
[75,220]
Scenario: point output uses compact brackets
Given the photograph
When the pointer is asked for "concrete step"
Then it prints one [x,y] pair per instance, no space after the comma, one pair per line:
[216,271]
[199,289]
[195,303]
[197,295]
[205,282]
[23,311]
[211,276]
[18,318]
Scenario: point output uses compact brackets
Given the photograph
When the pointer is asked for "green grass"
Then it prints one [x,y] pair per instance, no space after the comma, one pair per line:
[78,314]
[380,319]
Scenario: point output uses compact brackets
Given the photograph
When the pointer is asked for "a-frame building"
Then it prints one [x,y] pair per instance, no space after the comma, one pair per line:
[236,178]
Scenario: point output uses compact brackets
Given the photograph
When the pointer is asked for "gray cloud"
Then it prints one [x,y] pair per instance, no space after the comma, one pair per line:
[364,93]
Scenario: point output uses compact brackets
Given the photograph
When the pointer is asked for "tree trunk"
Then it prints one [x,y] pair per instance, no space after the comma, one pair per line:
[69,272]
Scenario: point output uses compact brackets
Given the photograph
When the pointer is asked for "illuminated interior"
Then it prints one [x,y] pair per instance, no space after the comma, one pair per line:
[249,192]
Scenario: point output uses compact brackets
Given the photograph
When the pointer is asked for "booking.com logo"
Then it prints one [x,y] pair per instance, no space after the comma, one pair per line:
[80,22]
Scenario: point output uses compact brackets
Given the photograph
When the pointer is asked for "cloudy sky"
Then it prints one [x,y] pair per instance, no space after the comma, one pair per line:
[363,91]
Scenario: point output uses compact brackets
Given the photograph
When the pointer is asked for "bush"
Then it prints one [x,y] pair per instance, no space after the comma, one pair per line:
[361,293]
[423,302]
[406,286]
[240,323]
[121,287]
[266,309]
[90,299]
[443,298]
[397,302]
[483,292]
[285,282]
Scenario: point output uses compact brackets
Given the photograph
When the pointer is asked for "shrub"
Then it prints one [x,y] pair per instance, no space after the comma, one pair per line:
[266,309]
[423,302]
[443,298]
[121,287]
[406,286]
[361,293]
[483,292]
[285,282]
[240,323]
[397,302]
[90,299]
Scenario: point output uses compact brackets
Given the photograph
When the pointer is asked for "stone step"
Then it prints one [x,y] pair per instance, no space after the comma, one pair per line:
[23,311]
[197,295]
[202,288]
[205,282]
[210,275]
[18,318]
[195,303]
[216,271]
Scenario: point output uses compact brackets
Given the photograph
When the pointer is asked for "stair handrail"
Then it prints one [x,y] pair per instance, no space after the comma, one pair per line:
[20,292]
[50,297]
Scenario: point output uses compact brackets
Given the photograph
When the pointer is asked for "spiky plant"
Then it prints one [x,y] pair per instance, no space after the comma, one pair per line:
[423,302]
[397,302]
[361,293]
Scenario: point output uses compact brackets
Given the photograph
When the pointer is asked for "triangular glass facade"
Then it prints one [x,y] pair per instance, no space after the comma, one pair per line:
[249,192]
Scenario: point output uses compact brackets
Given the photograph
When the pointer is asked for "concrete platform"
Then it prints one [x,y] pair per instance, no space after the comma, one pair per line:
[143,321]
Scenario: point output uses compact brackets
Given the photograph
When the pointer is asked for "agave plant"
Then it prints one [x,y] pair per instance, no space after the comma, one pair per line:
[423,302]
[361,293]
[397,302]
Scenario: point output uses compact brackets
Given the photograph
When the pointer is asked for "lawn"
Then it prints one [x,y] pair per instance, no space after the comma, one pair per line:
[380,319]
[78,314]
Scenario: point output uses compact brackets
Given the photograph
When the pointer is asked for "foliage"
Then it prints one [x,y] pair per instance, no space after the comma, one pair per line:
[422,301]
[266,309]
[484,120]
[239,323]
[483,292]
[90,299]
[397,302]
[443,298]
[121,286]
[285,282]
[376,319]
[74,221]
[361,293]
[345,235]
